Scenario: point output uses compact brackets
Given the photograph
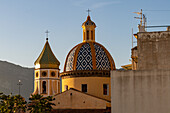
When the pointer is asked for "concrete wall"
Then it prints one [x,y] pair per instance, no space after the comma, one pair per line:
[140,91]
[134,56]
[153,50]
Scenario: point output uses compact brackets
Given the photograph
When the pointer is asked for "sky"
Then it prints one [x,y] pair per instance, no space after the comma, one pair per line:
[23,24]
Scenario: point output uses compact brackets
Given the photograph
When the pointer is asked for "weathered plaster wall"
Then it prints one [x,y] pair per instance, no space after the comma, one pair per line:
[153,50]
[77,100]
[140,91]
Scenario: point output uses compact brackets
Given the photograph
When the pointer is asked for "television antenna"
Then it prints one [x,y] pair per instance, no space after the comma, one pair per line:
[142,18]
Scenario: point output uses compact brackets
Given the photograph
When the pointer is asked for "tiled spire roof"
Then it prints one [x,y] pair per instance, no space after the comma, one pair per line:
[47,59]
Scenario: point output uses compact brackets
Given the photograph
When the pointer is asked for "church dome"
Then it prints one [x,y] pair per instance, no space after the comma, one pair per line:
[88,64]
[89,56]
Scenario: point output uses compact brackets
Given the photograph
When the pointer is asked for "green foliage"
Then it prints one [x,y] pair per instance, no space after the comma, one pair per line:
[12,104]
[6,103]
[16,104]
[19,104]
[40,104]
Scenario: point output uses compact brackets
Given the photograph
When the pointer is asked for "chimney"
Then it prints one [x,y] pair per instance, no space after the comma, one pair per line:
[141,28]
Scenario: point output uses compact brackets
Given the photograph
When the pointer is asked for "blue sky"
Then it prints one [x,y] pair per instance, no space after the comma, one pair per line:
[23,24]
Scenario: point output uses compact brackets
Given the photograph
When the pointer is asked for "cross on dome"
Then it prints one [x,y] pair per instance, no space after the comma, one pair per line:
[88,11]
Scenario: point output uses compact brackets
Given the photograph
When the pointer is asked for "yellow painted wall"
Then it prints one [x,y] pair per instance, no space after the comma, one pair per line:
[52,82]
[94,85]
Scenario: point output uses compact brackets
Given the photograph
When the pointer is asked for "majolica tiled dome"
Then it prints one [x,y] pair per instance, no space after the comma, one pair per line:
[89,56]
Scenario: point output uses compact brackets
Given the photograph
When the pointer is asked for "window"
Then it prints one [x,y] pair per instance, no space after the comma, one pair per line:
[84,36]
[53,74]
[36,74]
[105,89]
[87,34]
[91,35]
[44,87]
[44,73]
[84,88]
[66,87]
[58,75]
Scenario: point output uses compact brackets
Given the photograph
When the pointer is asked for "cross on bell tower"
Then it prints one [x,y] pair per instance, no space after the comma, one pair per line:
[47,34]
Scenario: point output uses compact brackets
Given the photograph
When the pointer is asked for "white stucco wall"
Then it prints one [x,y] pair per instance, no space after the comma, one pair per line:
[140,91]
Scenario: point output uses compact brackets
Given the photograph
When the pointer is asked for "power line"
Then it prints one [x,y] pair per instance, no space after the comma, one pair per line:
[156,10]
[157,26]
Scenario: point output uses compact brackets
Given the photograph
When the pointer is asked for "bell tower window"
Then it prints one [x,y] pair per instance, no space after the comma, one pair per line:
[44,73]
[44,87]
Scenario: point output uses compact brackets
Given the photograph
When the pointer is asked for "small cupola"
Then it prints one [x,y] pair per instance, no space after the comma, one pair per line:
[88,30]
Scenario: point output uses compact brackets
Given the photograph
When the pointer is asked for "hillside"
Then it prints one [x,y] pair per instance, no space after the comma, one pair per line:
[10,74]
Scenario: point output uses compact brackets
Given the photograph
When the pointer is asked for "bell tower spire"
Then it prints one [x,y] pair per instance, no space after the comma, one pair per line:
[88,29]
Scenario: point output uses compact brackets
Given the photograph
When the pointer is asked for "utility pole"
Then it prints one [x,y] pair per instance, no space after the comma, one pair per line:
[132,37]
[19,84]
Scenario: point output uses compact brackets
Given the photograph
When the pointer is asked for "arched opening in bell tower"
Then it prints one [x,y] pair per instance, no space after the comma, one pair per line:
[44,87]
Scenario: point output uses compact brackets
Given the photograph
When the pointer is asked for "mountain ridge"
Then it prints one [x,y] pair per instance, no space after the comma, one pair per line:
[10,74]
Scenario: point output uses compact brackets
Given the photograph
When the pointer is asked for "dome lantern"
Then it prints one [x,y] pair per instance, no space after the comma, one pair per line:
[88,30]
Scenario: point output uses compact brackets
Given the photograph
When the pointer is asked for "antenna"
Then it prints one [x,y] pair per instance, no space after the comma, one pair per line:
[142,18]
[139,13]
[132,37]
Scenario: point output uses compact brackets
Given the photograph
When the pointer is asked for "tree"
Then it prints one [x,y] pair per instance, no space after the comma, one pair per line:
[19,104]
[12,104]
[6,103]
[40,104]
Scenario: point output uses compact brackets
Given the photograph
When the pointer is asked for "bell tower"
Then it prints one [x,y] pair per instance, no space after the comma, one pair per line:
[46,73]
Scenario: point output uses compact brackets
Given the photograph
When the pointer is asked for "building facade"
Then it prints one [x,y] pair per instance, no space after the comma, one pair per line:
[145,88]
